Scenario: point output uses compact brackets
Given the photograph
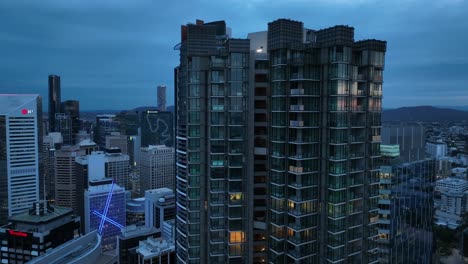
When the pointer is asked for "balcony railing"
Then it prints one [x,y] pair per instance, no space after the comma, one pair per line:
[297,91]
[297,108]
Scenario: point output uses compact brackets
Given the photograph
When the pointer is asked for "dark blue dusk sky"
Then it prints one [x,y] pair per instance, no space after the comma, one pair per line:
[111,54]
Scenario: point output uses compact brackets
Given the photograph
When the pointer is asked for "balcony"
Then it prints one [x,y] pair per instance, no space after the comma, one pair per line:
[376,139]
[377,79]
[296,169]
[217,107]
[217,163]
[297,108]
[297,92]
[293,123]
[361,77]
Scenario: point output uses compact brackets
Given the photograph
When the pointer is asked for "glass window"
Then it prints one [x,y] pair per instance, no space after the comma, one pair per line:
[194,90]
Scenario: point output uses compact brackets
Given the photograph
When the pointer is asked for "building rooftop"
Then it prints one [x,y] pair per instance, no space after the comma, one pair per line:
[13,102]
[86,142]
[135,231]
[152,247]
[32,218]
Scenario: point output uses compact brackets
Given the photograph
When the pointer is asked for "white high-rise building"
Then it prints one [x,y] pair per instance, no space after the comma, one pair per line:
[156,167]
[20,143]
[436,149]
[452,203]
[110,164]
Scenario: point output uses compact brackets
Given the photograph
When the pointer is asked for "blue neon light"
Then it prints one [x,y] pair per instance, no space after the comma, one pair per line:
[107,219]
[103,215]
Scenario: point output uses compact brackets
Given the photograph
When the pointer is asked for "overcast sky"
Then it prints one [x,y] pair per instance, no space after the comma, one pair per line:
[111,54]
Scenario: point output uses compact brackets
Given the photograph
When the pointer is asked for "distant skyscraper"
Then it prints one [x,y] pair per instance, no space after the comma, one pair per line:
[63,125]
[162,98]
[157,168]
[52,142]
[156,128]
[65,180]
[20,147]
[72,109]
[410,137]
[54,100]
[105,125]
[406,209]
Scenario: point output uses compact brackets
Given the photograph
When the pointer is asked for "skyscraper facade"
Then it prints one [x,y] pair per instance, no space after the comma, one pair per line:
[72,109]
[406,209]
[212,80]
[105,125]
[65,180]
[51,143]
[325,107]
[20,146]
[105,199]
[54,100]
[305,135]
[410,137]
[161,97]
[156,168]
[156,128]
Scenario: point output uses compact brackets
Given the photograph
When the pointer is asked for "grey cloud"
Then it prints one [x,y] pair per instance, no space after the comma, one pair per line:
[119,51]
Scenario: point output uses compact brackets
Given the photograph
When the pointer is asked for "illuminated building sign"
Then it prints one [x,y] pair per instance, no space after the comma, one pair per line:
[17,233]
[27,111]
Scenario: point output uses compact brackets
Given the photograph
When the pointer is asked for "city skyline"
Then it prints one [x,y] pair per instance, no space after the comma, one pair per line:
[111,48]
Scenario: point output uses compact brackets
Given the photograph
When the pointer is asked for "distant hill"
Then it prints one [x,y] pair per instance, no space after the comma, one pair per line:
[456,107]
[424,114]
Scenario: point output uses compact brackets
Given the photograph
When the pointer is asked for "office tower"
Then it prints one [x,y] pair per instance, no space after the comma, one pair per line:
[159,206]
[135,211]
[88,146]
[65,177]
[104,210]
[258,100]
[63,125]
[212,177]
[156,128]
[31,234]
[451,202]
[116,140]
[436,149]
[128,241]
[157,169]
[161,97]
[71,108]
[20,145]
[82,135]
[405,209]
[325,107]
[133,149]
[105,125]
[160,213]
[97,166]
[54,100]
[109,164]
[410,137]
[51,143]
